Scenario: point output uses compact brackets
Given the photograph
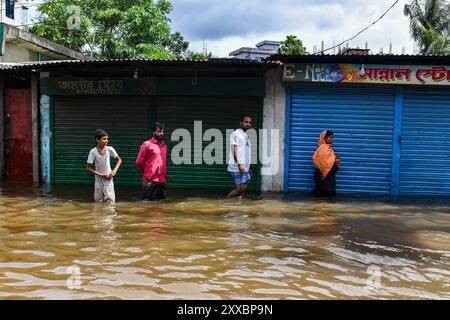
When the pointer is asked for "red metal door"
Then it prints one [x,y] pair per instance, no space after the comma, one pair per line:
[18,135]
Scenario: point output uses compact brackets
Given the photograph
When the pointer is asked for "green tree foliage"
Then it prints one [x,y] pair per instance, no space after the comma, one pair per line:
[292,46]
[429,25]
[438,43]
[192,55]
[112,29]
[177,45]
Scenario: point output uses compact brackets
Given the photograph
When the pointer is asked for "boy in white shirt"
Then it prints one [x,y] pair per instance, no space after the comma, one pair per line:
[239,159]
[100,155]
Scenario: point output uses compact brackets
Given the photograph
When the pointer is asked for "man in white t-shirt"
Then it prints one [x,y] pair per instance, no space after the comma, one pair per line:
[100,156]
[240,157]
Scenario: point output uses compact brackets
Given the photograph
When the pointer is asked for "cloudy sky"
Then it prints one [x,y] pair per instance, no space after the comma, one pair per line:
[226,25]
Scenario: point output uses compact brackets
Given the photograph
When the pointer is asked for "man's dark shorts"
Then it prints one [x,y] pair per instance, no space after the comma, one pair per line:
[155,191]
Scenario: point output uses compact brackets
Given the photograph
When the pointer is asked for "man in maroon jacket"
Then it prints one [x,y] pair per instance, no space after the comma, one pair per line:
[151,161]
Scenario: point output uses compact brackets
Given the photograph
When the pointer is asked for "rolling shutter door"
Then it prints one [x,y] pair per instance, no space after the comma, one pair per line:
[425,144]
[76,119]
[363,121]
[218,113]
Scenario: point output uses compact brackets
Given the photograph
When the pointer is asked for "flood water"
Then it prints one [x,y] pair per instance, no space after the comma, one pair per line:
[198,245]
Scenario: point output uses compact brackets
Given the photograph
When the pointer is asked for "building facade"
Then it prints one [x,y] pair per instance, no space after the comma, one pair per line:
[18,45]
[262,51]
[200,103]
[19,138]
[16,12]
[390,115]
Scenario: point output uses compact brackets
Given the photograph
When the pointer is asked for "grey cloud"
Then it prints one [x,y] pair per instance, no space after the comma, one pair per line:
[215,19]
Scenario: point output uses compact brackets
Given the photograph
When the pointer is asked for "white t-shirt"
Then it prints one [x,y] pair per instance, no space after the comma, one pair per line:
[240,139]
[102,163]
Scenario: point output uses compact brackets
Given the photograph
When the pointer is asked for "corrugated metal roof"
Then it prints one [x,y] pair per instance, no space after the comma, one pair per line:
[214,61]
[6,66]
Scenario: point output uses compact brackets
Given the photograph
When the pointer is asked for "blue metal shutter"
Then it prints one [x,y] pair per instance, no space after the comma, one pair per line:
[425,145]
[363,121]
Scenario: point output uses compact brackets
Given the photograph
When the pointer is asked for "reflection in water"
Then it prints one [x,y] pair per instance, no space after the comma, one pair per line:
[208,247]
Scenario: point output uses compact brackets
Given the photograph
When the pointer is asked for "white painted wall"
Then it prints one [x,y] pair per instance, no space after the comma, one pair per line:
[275,118]
[30,4]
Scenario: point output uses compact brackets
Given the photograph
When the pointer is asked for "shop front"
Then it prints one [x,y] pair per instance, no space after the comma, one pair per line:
[72,108]
[391,125]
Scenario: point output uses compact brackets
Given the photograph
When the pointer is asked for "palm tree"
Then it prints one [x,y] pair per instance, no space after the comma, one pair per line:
[438,43]
[429,24]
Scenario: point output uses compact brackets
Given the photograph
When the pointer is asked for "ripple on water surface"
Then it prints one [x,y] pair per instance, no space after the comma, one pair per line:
[207,247]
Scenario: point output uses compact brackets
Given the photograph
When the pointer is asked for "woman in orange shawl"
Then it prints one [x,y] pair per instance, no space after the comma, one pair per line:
[327,164]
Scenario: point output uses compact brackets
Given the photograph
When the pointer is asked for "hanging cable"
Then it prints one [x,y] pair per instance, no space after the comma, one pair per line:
[382,16]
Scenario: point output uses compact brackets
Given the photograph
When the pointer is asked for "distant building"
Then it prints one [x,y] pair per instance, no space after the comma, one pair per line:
[355,52]
[16,12]
[263,50]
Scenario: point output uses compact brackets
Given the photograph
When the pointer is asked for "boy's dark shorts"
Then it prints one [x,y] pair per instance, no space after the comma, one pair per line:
[155,191]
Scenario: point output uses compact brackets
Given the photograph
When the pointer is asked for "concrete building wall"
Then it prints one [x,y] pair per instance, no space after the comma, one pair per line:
[4,18]
[274,118]
[23,46]
[22,17]
[269,47]
[14,53]
[253,56]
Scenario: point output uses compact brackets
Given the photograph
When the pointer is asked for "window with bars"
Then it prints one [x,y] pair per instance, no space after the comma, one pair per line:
[10,9]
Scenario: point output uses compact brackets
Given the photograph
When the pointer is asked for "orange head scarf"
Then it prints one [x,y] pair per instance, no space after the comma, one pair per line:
[324,156]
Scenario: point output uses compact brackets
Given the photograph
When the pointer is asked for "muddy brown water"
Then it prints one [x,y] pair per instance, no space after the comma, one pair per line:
[58,244]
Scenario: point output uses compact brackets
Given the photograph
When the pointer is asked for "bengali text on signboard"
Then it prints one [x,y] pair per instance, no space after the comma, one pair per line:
[360,73]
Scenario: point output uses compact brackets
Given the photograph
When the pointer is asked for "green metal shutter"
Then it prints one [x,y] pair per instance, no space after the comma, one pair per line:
[218,113]
[125,119]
